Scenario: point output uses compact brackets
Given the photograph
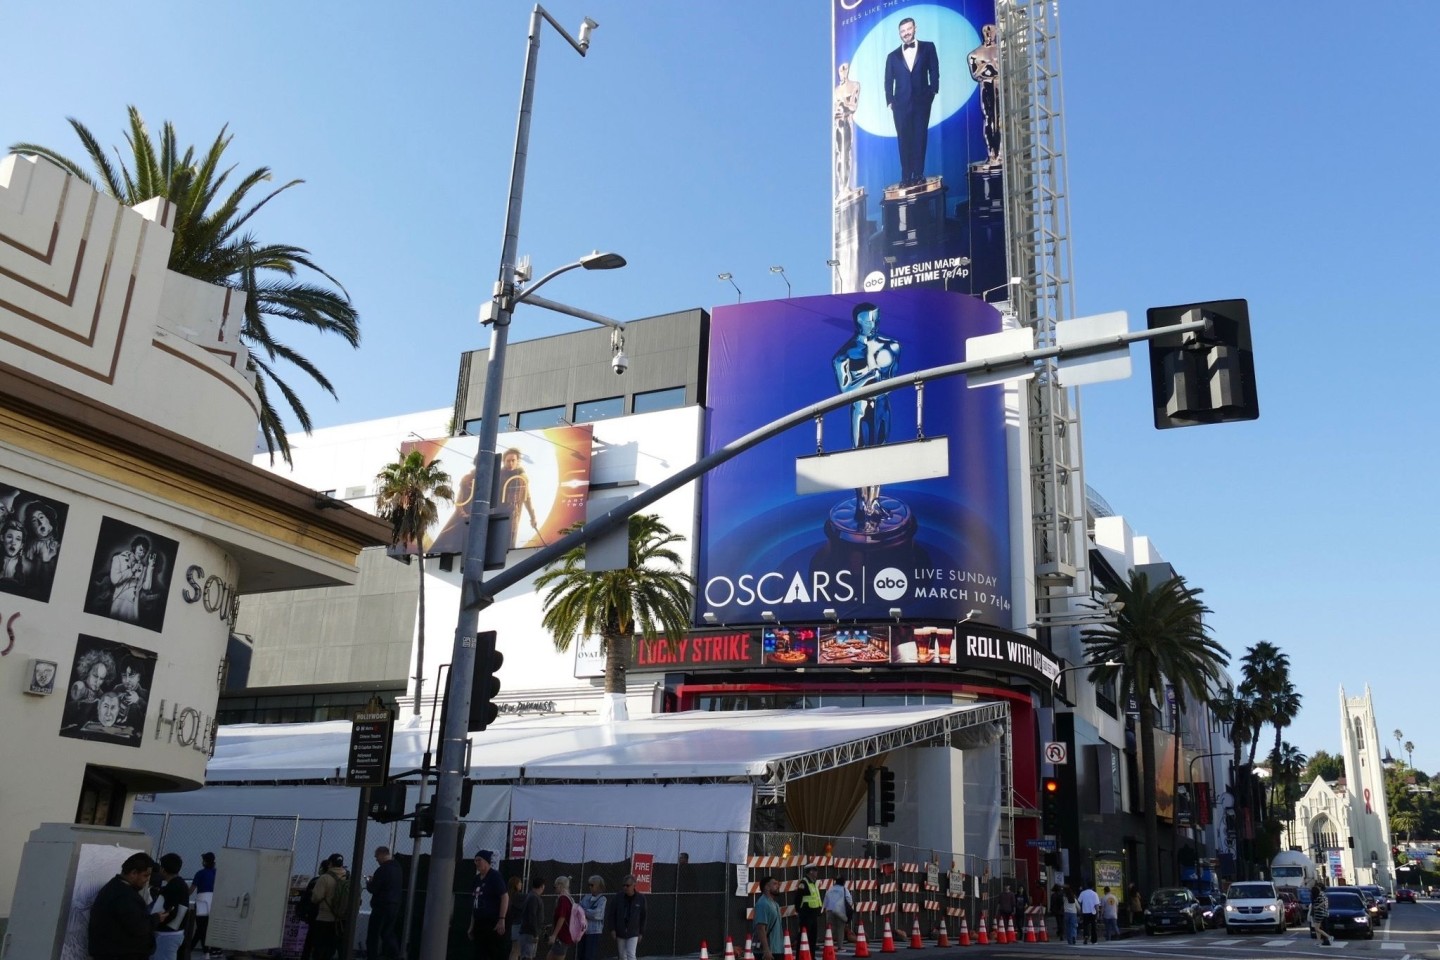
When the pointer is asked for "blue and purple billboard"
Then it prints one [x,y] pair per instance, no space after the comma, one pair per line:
[935,548]
[917,149]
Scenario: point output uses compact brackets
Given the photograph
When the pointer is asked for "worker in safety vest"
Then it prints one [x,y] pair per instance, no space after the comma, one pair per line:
[808,902]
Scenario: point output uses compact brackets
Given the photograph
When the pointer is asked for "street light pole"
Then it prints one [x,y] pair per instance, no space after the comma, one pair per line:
[440,902]
[1199,838]
[1079,666]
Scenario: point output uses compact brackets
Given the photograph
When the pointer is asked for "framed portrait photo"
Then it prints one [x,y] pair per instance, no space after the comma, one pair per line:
[41,678]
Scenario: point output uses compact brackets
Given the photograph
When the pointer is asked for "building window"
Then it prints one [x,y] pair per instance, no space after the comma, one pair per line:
[546,417]
[298,707]
[653,400]
[591,410]
[472,427]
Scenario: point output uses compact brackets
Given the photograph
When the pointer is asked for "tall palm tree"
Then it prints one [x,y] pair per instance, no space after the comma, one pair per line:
[1286,764]
[406,493]
[651,597]
[1410,754]
[1159,638]
[1264,671]
[1284,707]
[1236,710]
[209,245]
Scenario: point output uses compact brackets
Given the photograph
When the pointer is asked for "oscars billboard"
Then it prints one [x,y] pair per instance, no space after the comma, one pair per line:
[935,548]
[916,147]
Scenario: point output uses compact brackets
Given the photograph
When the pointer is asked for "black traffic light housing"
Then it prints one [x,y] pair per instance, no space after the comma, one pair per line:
[1202,376]
[1050,805]
[486,685]
[387,803]
[887,796]
[423,823]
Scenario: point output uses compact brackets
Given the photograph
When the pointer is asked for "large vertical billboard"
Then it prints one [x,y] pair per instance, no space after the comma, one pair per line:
[917,150]
[937,548]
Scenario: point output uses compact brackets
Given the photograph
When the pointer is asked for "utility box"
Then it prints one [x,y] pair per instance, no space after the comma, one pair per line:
[63,867]
[252,892]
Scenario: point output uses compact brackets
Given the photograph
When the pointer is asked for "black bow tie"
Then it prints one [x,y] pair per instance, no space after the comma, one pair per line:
[910,45]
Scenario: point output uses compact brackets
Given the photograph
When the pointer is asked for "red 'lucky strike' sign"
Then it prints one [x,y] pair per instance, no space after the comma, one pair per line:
[643,866]
[738,648]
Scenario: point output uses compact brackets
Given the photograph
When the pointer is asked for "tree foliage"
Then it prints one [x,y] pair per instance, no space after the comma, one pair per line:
[212,243]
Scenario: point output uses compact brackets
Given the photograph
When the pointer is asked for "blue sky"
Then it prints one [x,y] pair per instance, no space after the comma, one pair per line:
[1278,152]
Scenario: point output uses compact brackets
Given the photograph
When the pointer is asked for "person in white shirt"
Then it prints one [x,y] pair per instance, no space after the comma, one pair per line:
[839,906]
[1089,902]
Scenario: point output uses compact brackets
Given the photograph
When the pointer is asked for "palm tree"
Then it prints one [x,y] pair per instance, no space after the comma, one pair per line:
[1286,763]
[651,597]
[1410,754]
[406,493]
[209,246]
[1159,637]
[1398,736]
[1284,708]
[1264,672]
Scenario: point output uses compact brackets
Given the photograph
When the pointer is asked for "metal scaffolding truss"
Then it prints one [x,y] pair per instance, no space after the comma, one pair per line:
[784,769]
[1037,221]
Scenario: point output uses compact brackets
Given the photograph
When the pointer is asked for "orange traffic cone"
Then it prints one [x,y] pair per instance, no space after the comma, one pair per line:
[704,951]
[1044,933]
[944,939]
[789,953]
[829,952]
[915,942]
[862,949]
[887,942]
[749,949]
[805,945]
[981,937]
[964,932]
[729,948]
[1009,930]
[1030,931]
[997,931]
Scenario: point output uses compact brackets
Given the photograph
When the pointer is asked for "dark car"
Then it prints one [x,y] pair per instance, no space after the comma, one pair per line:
[1212,908]
[1348,915]
[1372,905]
[1377,893]
[1174,909]
[1404,895]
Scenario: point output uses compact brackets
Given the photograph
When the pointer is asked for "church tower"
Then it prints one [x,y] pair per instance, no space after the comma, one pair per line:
[1368,849]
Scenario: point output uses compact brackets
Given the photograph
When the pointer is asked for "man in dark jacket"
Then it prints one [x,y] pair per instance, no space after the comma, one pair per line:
[625,918]
[386,887]
[121,927]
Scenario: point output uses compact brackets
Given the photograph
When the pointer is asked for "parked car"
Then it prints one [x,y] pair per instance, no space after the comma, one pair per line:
[1404,895]
[1378,894]
[1254,905]
[1212,908]
[1173,909]
[1348,915]
[1294,910]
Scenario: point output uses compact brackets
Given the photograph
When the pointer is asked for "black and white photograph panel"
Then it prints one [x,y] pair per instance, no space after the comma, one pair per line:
[31,529]
[108,693]
[42,677]
[130,579]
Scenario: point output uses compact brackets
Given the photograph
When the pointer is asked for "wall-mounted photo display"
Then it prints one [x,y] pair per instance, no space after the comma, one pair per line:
[41,680]
[31,529]
[108,693]
[130,579]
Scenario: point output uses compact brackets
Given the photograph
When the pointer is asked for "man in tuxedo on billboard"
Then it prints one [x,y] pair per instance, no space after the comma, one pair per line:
[912,79]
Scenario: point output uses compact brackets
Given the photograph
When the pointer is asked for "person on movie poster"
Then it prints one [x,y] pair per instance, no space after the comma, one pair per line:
[107,698]
[912,80]
[31,527]
[131,577]
[515,492]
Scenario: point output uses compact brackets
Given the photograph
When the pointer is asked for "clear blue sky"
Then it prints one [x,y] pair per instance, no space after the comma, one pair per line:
[1276,151]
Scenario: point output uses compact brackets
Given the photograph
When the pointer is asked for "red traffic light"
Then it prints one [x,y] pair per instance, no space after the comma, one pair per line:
[1052,785]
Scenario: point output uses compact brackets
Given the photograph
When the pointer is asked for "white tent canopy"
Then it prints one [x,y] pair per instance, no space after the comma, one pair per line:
[760,747]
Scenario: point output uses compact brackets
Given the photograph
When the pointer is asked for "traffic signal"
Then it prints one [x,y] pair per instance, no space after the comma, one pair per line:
[887,796]
[423,824]
[486,685]
[1202,376]
[1050,805]
[387,803]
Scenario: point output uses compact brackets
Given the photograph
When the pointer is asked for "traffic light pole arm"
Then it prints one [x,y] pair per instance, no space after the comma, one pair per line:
[480,594]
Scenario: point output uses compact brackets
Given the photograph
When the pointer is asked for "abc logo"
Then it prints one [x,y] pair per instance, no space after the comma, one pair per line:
[874,281]
[890,584]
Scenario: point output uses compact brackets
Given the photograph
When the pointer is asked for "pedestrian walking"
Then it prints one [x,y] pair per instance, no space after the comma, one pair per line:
[561,936]
[1089,902]
[331,897]
[121,926]
[530,919]
[1319,912]
[767,931]
[386,887]
[593,903]
[625,918]
[1137,905]
[202,891]
[1057,909]
[839,908]
[488,906]
[516,892]
[1070,908]
[1110,913]
[173,902]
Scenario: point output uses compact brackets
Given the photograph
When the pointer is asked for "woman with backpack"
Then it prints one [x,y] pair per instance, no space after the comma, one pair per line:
[563,933]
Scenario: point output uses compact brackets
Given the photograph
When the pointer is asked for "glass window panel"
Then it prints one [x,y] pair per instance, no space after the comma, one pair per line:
[547,417]
[653,400]
[591,410]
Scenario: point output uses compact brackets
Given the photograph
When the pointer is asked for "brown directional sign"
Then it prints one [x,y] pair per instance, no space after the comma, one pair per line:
[369,764]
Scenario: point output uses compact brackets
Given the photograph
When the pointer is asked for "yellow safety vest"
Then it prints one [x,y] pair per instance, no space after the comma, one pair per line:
[812,895]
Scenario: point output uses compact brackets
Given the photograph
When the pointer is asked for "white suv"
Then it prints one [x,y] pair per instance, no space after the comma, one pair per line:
[1253,905]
